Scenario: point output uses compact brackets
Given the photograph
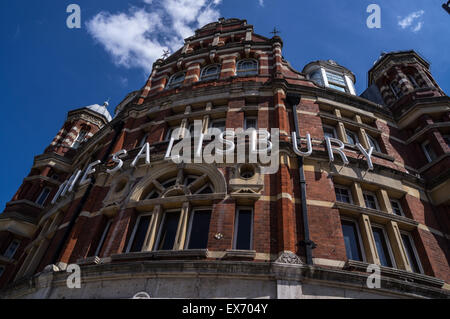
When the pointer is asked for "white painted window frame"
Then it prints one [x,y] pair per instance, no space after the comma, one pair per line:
[191,221]
[388,243]
[361,243]
[103,237]
[347,189]
[416,255]
[374,196]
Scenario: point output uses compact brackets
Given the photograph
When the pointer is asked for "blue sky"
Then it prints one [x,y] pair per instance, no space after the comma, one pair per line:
[47,69]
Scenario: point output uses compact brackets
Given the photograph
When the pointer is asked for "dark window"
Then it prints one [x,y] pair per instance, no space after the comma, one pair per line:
[210,72]
[199,229]
[141,233]
[370,201]
[206,190]
[247,67]
[43,196]
[243,229]
[12,248]
[103,238]
[342,195]
[168,231]
[429,151]
[176,80]
[251,122]
[382,247]
[2,269]
[410,253]
[352,137]
[329,131]
[351,239]
[373,142]
[396,207]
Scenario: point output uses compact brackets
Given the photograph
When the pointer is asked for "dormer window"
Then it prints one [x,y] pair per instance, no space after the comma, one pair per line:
[247,67]
[80,139]
[336,81]
[176,80]
[210,72]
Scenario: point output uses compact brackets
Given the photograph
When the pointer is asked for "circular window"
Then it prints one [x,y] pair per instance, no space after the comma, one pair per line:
[247,171]
[120,186]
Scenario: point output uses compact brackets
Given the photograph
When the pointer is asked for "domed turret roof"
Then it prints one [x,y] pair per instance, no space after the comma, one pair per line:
[100,109]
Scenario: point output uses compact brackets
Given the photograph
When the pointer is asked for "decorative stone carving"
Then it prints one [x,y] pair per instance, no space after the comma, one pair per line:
[288,257]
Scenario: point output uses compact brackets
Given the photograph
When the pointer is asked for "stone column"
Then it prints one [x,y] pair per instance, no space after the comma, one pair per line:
[398,249]
[368,240]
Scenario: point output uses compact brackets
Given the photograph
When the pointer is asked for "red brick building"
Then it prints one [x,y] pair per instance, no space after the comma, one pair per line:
[197,230]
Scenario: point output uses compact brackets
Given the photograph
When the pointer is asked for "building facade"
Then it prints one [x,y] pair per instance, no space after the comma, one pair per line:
[369,185]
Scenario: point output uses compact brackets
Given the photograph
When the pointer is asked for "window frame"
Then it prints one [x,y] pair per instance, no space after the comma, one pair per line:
[332,83]
[171,85]
[210,77]
[11,257]
[377,205]
[372,139]
[103,237]
[330,127]
[413,245]
[136,225]
[46,197]
[236,225]
[358,231]
[355,136]
[399,203]
[347,189]
[191,221]
[161,224]
[394,86]
[427,155]
[247,72]
[247,118]
[388,243]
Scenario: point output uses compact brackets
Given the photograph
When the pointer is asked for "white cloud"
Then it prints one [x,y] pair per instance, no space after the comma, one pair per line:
[410,21]
[138,37]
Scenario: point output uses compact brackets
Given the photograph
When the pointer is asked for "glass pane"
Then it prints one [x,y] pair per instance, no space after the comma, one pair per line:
[351,137]
[410,253]
[342,195]
[200,230]
[244,228]
[251,123]
[43,196]
[169,231]
[2,269]
[370,201]
[396,208]
[336,78]
[11,249]
[351,241]
[382,249]
[336,87]
[140,234]
[316,76]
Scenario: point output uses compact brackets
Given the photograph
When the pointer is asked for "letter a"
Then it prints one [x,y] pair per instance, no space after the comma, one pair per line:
[74,20]
[374,20]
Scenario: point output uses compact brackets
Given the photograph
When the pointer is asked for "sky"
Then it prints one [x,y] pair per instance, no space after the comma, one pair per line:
[48,69]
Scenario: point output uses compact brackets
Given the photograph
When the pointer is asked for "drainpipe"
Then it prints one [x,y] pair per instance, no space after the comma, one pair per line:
[294,100]
[118,128]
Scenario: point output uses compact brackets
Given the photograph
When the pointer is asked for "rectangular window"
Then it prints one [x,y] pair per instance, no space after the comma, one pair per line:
[352,240]
[12,248]
[429,151]
[251,122]
[168,231]
[397,207]
[243,229]
[329,131]
[343,194]
[43,196]
[411,253]
[2,270]
[103,238]
[352,137]
[370,200]
[140,233]
[198,229]
[382,245]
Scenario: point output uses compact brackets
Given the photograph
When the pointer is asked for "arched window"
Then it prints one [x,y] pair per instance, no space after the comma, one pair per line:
[247,67]
[374,143]
[169,216]
[210,72]
[176,80]
[316,76]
